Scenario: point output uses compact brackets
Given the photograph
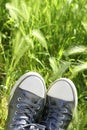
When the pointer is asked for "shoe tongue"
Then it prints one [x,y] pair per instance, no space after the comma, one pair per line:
[60,103]
[56,102]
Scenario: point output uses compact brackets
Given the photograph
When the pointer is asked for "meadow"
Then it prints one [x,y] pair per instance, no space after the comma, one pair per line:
[49,37]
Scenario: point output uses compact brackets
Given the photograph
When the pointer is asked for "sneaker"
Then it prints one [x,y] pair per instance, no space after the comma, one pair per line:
[60,105]
[26,103]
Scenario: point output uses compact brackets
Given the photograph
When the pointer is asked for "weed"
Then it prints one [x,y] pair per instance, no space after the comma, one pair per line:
[49,37]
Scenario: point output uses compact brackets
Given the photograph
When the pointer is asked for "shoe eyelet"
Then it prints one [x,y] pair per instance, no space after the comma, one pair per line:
[63,116]
[65,111]
[11,125]
[13,119]
[18,105]
[19,99]
[61,123]
[38,107]
[15,112]
[35,112]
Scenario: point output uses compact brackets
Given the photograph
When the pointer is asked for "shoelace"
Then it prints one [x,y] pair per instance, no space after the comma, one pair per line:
[61,115]
[24,115]
[33,126]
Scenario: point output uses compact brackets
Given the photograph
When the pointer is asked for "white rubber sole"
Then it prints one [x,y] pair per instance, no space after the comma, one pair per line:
[64,89]
[32,82]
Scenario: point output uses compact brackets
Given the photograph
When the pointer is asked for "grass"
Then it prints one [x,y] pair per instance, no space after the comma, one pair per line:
[48,37]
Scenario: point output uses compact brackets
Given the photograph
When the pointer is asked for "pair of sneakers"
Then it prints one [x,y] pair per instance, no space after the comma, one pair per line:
[31,107]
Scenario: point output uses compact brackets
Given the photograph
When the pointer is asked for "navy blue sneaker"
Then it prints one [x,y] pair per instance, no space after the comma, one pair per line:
[60,105]
[26,103]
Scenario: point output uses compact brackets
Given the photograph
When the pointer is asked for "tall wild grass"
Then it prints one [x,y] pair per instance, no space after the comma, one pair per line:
[49,37]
